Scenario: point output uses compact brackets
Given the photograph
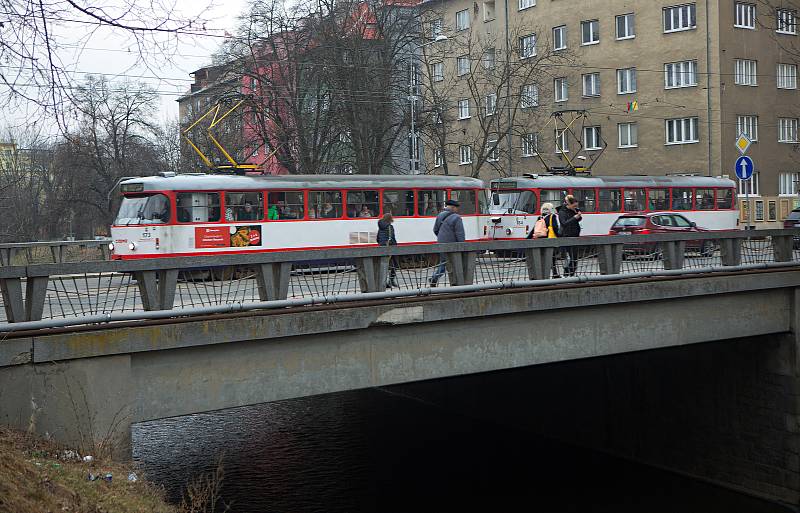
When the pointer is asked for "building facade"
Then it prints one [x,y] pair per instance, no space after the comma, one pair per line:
[668,86]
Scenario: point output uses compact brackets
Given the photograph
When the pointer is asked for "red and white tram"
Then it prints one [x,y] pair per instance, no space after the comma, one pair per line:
[516,202]
[188,214]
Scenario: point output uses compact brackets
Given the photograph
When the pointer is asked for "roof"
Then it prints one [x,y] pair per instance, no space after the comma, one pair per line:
[203,182]
[555,182]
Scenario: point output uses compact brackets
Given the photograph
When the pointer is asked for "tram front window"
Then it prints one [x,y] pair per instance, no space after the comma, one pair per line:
[514,202]
[151,209]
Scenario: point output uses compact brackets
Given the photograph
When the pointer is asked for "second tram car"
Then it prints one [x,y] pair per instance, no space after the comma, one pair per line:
[515,203]
[188,214]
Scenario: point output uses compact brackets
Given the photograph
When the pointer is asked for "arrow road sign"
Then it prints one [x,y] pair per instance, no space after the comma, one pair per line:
[744,167]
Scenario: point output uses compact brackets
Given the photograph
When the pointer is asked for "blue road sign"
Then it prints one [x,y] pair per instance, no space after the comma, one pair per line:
[744,167]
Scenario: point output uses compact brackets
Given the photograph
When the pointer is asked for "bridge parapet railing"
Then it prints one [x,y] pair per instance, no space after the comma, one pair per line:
[28,253]
[85,290]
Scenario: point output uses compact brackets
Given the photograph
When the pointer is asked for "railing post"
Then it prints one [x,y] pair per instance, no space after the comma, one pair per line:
[610,257]
[157,288]
[674,252]
[273,280]
[461,267]
[167,282]
[27,308]
[35,294]
[730,251]
[7,255]
[782,245]
[12,299]
[58,253]
[540,262]
[372,273]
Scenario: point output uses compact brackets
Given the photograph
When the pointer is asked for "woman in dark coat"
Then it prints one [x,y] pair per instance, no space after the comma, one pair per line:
[386,237]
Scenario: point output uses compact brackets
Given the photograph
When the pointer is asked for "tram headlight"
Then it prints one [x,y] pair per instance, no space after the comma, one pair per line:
[111,246]
[508,231]
[132,246]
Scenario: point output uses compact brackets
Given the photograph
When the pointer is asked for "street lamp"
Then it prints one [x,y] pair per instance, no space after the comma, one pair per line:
[413,162]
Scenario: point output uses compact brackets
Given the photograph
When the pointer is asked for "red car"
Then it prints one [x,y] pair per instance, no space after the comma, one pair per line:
[662,222]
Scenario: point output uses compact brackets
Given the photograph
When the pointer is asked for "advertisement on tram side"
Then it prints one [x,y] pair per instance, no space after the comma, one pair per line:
[227,236]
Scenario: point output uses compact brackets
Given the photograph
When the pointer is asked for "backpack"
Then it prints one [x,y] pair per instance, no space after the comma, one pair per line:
[539,229]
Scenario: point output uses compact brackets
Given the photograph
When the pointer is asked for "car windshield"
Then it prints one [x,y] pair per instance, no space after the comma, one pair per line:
[150,209]
[629,221]
[794,215]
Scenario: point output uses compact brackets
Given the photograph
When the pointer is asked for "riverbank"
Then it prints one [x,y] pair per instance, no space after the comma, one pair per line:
[38,476]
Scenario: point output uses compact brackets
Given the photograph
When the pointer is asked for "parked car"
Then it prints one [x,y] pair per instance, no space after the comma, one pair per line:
[793,221]
[661,222]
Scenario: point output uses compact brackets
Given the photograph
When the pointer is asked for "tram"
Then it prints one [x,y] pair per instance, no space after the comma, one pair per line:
[516,202]
[200,214]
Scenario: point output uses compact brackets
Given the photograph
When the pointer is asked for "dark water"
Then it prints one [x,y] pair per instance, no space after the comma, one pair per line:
[380,451]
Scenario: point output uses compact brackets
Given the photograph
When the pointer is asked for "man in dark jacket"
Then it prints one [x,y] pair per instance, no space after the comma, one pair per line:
[386,237]
[448,228]
[569,217]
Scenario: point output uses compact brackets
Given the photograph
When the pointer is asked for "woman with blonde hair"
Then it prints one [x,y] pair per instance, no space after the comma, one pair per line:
[547,227]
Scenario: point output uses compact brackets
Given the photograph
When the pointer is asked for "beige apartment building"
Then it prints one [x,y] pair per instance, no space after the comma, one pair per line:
[700,74]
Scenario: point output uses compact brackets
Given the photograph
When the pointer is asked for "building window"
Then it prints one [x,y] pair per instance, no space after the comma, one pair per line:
[682,131]
[680,74]
[745,15]
[491,104]
[530,146]
[787,130]
[438,158]
[680,17]
[465,152]
[625,26]
[527,46]
[463,108]
[628,135]
[787,76]
[786,21]
[492,151]
[462,65]
[746,72]
[749,186]
[524,4]
[747,125]
[437,70]
[462,20]
[529,96]
[489,56]
[626,81]
[591,84]
[437,27]
[560,37]
[787,184]
[562,144]
[590,32]
[591,138]
[560,88]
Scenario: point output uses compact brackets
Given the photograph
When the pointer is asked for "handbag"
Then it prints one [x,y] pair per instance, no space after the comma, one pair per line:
[539,229]
[551,233]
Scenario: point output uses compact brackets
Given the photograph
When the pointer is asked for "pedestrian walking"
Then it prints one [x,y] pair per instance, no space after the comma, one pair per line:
[386,237]
[548,227]
[448,228]
[569,217]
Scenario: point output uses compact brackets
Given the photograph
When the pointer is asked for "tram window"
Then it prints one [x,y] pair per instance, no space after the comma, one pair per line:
[610,200]
[198,207]
[467,200]
[554,196]
[325,204]
[724,198]
[362,204]
[514,202]
[634,200]
[398,203]
[483,207]
[658,199]
[586,199]
[152,209]
[704,199]
[244,206]
[681,199]
[285,205]
[430,203]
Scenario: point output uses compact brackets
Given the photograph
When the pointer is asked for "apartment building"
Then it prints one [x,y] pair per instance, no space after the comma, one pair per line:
[668,86]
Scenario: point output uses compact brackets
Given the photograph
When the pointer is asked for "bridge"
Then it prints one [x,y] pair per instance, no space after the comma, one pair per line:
[90,348]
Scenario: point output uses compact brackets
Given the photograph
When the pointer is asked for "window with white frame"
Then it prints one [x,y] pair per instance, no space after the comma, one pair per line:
[591,138]
[463,108]
[462,20]
[437,28]
[530,146]
[682,130]
[591,84]
[529,96]
[680,17]
[628,135]
[489,58]
[626,81]
[745,15]
[527,46]
[524,4]
[788,184]
[465,154]
[625,26]
[787,130]
[787,76]
[590,32]
[462,65]
[491,104]
[746,72]
[680,74]
[560,37]
[562,143]
[492,150]
[747,125]
[786,21]
[560,88]
[749,186]
[437,71]
[438,157]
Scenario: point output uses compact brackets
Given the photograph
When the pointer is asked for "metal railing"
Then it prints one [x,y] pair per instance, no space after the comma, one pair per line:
[57,251]
[101,291]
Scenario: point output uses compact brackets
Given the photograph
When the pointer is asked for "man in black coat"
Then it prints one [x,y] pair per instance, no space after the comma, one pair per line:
[569,217]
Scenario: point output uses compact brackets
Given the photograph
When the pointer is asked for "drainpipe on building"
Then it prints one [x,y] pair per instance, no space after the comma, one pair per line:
[509,143]
[708,86]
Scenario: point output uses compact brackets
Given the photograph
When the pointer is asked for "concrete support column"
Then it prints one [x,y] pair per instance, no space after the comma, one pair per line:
[58,253]
[7,255]
[540,262]
[782,245]
[731,251]
[461,267]
[610,256]
[273,281]
[157,288]
[21,308]
[372,273]
[674,252]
